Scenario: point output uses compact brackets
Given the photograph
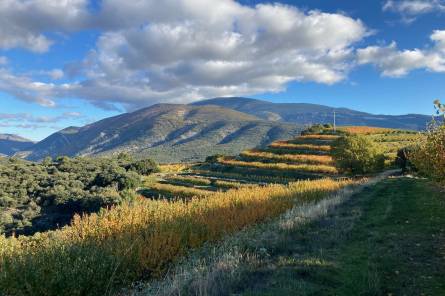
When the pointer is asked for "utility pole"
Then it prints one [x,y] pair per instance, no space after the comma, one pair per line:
[335,130]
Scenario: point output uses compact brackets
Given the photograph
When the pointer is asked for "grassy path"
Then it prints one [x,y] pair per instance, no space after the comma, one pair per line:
[387,240]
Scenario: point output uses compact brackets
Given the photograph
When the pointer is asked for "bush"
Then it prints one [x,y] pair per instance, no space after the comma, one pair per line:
[213,158]
[429,155]
[143,167]
[314,129]
[38,197]
[357,154]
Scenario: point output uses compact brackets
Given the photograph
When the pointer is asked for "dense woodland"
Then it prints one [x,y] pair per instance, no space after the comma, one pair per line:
[41,196]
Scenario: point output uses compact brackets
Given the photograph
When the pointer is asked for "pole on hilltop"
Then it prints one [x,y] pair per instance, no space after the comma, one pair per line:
[335,128]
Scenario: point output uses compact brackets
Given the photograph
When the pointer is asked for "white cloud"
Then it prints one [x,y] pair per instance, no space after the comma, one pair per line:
[179,50]
[201,50]
[396,63]
[23,23]
[410,9]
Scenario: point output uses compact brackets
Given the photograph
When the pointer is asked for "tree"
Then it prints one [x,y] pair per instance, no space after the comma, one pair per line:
[429,154]
[357,154]
[143,167]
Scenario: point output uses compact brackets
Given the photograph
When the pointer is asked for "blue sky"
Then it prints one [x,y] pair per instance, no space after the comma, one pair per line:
[73,62]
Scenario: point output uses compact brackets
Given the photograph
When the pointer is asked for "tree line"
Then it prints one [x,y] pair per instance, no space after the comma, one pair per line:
[41,196]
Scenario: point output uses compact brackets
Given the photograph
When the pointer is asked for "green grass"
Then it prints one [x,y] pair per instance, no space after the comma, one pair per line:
[389,240]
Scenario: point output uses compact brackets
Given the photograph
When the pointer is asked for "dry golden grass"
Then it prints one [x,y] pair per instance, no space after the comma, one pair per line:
[309,147]
[365,130]
[175,167]
[230,184]
[318,137]
[248,178]
[281,166]
[169,190]
[100,252]
[197,181]
[258,155]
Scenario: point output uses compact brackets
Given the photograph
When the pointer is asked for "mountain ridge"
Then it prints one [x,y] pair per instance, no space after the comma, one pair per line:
[10,144]
[306,113]
[179,132]
[165,132]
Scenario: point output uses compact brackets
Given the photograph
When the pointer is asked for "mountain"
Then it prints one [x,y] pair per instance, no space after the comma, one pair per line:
[10,144]
[302,113]
[167,133]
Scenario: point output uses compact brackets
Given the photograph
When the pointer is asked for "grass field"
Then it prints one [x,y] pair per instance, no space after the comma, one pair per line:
[281,166]
[246,178]
[101,252]
[264,156]
[387,239]
[192,181]
[388,242]
[160,190]
[305,147]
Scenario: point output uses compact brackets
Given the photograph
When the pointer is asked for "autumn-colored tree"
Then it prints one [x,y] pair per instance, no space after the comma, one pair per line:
[429,155]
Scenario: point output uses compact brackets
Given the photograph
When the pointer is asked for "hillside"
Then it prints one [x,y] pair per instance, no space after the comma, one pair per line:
[167,133]
[10,144]
[303,113]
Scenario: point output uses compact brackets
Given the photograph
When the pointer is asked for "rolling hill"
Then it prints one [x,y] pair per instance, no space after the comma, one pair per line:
[10,144]
[167,133]
[303,113]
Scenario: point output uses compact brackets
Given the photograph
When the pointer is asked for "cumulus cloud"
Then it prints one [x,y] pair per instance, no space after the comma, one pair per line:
[23,23]
[396,63]
[410,9]
[180,50]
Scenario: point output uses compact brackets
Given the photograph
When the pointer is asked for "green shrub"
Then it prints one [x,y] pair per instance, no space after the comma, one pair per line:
[314,129]
[429,155]
[143,167]
[213,158]
[43,196]
[357,154]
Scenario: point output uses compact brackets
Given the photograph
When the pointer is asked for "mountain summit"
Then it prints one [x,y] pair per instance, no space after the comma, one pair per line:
[167,133]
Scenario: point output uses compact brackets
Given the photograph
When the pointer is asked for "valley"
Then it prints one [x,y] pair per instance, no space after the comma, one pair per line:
[180,209]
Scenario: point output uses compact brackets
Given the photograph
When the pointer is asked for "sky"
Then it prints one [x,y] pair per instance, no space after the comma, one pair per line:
[72,62]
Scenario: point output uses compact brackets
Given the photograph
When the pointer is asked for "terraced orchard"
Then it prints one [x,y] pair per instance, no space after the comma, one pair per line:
[304,157]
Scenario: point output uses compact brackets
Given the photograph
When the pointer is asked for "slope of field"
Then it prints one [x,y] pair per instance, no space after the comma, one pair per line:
[100,252]
[185,207]
[385,239]
[305,160]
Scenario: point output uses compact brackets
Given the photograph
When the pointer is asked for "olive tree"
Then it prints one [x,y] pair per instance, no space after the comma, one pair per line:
[357,154]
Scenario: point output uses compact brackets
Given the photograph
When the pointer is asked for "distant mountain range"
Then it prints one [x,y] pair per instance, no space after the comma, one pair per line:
[302,113]
[174,132]
[11,144]
[167,133]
